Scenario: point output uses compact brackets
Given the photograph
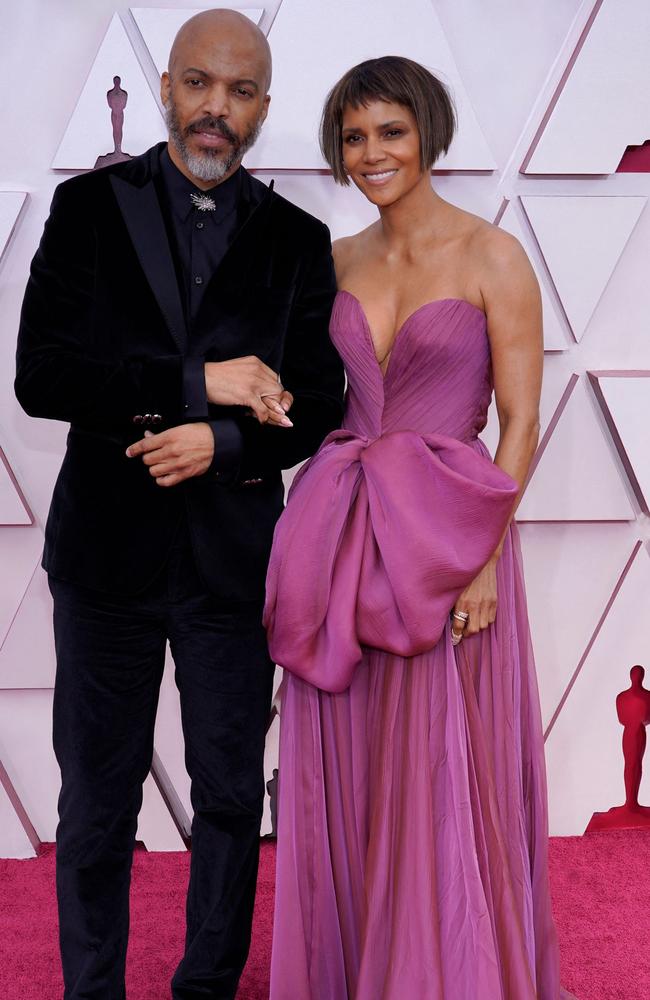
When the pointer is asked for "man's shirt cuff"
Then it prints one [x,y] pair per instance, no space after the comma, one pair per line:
[228,448]
[195,396]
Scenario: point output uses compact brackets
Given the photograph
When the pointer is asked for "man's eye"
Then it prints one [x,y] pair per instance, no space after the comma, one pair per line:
[194,83]
[243,92]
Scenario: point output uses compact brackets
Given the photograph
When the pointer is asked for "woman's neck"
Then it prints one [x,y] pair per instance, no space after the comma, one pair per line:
[407,223]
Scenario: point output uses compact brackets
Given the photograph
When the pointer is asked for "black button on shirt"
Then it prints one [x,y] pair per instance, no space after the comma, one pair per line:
[202,237]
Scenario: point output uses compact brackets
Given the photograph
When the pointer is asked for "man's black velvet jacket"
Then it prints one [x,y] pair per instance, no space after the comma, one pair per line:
[103,340]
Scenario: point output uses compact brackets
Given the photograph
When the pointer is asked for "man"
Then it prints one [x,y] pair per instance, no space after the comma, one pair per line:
[166,295]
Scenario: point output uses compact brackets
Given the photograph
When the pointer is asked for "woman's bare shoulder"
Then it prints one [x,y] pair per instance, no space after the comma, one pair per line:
[348,250]
[495,247]
[504,271]
[341,250]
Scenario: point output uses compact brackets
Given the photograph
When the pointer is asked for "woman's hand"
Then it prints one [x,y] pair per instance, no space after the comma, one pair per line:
[278,407]
[247,382]
[478,602]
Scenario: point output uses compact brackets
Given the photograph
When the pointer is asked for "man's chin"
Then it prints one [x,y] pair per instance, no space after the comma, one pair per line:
[209,166]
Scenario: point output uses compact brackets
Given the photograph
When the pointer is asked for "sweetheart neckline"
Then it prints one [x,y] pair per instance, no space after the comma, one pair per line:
[431,302]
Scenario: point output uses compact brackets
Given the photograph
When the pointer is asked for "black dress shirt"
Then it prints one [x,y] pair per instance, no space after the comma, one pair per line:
[201,236]
[201,239]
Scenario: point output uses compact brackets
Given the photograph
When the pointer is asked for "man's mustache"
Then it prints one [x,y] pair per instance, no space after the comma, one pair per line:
[217,125]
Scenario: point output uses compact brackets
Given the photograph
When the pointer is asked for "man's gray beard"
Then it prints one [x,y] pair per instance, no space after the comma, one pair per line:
[211,165]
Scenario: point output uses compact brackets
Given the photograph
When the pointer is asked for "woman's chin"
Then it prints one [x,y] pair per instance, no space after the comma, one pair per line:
[382,196]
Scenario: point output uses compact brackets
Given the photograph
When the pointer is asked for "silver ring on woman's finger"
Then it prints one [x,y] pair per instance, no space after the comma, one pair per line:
[455,637]
[461,616]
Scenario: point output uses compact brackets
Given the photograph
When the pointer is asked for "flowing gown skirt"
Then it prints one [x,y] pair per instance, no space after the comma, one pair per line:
[412,850]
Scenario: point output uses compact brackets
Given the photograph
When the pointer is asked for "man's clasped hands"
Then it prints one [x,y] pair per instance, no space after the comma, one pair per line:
[187,450]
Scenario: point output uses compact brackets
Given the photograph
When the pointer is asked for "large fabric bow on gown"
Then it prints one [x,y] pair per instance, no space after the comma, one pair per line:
[377,542]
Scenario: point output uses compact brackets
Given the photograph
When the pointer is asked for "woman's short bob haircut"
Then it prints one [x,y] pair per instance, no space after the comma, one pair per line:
[397,80]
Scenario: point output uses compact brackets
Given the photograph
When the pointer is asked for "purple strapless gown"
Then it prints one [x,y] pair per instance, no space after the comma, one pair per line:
[412,842]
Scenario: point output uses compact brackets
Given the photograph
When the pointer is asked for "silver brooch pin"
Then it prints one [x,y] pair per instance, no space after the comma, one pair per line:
[203,202]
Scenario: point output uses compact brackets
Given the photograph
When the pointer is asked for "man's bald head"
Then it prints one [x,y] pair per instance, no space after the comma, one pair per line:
[222,27]
[215,93]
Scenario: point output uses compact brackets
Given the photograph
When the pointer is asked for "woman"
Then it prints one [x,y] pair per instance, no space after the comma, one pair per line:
[412,853]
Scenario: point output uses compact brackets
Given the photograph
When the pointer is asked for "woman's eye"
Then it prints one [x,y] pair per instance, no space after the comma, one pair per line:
[351,139]
[393,132]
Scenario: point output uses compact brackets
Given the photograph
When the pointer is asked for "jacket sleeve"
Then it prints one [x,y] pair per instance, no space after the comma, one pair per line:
[60,372]
[311,370]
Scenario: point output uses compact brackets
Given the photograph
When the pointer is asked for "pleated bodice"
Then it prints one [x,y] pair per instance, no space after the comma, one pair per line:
[439,376]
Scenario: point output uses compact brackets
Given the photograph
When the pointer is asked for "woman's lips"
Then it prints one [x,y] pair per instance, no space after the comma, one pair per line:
[379,178]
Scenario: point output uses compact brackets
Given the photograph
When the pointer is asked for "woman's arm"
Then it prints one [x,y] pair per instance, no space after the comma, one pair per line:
[513,307]
[514,311]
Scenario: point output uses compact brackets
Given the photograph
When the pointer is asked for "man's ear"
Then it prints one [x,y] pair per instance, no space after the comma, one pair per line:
[265,106]
[165,87]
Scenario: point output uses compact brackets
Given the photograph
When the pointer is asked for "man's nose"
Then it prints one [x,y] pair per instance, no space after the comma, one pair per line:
[217,102]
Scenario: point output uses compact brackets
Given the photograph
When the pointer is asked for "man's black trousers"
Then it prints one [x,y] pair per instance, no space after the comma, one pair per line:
[110,658]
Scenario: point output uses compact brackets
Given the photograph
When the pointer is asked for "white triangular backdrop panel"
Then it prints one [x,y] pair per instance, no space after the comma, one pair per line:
[627,398]
[27,658]
[301,82]
[13,504]
[582,239]
[577,478]
[604,105]
[586,738]
[89,134]
[11,205]
[15,843]
[21,550]
[562,561]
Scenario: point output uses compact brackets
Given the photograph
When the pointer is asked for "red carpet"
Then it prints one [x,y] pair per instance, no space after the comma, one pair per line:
[601,894]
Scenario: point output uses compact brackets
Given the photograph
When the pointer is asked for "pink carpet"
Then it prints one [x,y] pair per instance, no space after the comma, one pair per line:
[601,896]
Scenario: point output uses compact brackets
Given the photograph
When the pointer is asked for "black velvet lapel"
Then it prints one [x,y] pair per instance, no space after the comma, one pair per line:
[143,217]
[136,193]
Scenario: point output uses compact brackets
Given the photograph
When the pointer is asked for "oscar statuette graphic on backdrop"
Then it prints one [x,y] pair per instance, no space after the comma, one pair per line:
[117,99]
[633,709]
